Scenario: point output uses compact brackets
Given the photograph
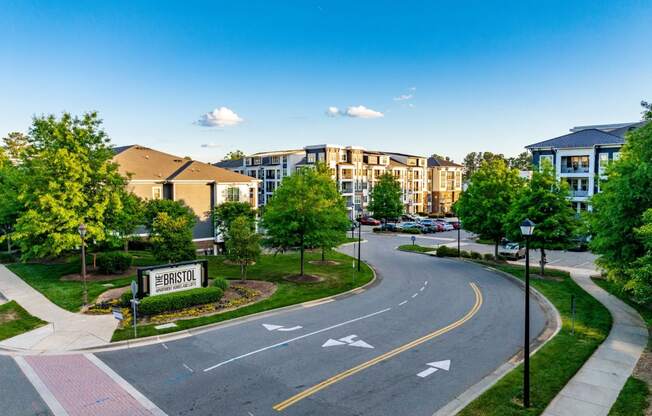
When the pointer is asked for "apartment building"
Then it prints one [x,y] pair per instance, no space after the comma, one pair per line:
[201,186]
[581,157]
[444,185]
[269,167]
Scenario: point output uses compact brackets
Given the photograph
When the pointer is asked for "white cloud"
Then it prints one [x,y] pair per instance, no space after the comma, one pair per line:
[363,112]
[413,88]
[211,145]
[332,111]
[220,117]
[404,97]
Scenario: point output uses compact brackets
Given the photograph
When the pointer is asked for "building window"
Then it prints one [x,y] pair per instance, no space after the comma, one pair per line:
[343,157]
[270,186]
[157,192]
[575,164]
[233,194]
[311,158]
[276,160]
[256,161]
[616,156]
[249,161]
[321,156]
[603,162]
[270,174]
[458,179]
[442,180]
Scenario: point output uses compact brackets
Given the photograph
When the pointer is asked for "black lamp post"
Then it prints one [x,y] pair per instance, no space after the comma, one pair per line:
[82,234]
[359,242]
[527,228]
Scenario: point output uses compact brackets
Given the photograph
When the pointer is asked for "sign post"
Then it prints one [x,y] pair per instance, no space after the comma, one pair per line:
[134,303]
[413,239]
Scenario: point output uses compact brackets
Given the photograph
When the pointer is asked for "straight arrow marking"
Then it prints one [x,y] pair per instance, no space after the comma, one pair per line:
[425,373]
[294,328]
[442,365]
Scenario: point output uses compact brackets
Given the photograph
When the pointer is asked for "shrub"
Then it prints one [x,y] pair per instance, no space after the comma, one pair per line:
[114,262]
[444,251]
[489,257]
[179,300]
[475,255]
[142,244]
[221,283]
[7,258]
[125,299]
[411,231]
[377,229]
[172,238]
[465,254]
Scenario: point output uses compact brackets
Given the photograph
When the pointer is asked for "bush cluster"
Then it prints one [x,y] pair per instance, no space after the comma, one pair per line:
[221,283]
[114,262]
[444,251]
[7,258]
[489,257]
[411,231]
[179,300]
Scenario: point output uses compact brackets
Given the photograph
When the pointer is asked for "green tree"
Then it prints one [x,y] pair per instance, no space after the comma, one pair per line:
[171,238]
[545,202]
[70,179]
[473,161]
[11,179]
[647,110]
[16,144]
[226,212]
[124,221]
[175,209]
[618,210]
[298,209]
[242,244]
[521,162]
[234,155]
[484,206]
[385,203]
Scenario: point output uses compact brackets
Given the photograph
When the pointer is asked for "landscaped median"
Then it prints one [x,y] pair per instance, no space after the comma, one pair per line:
[559,359]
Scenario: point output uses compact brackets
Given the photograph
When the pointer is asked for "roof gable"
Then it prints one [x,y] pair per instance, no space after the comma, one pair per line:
[582,138]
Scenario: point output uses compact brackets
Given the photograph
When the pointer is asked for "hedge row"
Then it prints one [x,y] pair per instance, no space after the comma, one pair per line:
[114,262]
[444,251]
[152,305]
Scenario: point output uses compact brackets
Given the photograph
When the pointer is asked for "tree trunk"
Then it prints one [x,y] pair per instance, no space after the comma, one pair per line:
[302,248]
[245,271]
[496,249]
[323,255]
[8,244]
[242,267]
[126,245]
[543,261]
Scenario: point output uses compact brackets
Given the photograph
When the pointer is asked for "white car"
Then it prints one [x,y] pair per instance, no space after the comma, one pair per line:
[447,225]
[512,251]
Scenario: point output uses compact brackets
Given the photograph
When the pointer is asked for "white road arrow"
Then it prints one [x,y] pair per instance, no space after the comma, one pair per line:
[434,367]
[281,328]
[348,340]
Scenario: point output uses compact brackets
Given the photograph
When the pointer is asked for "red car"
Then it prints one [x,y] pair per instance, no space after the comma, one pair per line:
[368,221]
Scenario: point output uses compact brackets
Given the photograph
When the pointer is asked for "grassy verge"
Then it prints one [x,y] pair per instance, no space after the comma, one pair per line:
[634,397]
[46,278]
[14,320]
[415,247]
[556,363]
[273,268]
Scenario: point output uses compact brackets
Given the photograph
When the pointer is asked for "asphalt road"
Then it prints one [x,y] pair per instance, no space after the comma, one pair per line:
[17,395]
[423,310]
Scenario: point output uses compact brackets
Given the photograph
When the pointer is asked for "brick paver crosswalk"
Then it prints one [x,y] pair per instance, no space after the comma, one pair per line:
[82,388]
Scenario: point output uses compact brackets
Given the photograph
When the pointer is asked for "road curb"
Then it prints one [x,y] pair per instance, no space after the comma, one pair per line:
[185,333]
[552,328]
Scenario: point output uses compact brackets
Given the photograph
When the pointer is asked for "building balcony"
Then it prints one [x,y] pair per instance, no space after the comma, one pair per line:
[574,169]
[579,194]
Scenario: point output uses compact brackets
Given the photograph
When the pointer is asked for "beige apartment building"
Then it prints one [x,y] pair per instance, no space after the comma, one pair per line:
[444,185]
[201,186]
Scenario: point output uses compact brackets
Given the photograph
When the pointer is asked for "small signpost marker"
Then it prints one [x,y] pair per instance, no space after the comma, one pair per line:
[134,303]
[117,314]
[413,239]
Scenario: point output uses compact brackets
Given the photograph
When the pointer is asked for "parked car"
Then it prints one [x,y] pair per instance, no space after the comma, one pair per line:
[580,243]
[456,224]
[431,226]
[408,218]
[512,251]
[368,221]
[447,225]
[411,226]
[390,226]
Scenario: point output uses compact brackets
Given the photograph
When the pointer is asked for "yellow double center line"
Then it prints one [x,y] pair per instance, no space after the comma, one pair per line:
[341,376]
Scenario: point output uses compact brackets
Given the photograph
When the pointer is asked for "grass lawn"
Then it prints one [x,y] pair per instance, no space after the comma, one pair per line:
[634,396]
[415,247]
[14,320]
[554,364]
[68,294]
[273,268]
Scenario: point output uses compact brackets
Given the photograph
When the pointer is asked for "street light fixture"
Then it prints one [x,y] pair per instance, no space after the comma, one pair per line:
[82,233]
[527,229]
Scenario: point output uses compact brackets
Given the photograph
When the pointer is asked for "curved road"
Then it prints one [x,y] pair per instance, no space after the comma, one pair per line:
[358,355]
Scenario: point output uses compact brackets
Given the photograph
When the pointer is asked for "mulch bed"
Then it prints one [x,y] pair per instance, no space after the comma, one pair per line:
[97,277]
[305,278]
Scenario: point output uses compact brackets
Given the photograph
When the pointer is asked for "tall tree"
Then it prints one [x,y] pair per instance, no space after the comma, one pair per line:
[225,213]
[473,161]
[16,144]
[175,209]
[243,244]
[385,203]
[647,110]
[619,208]
[483,207]
[297,211]
[521,162]
[11,179]
[124,221]
[71,180]
[544,200]
[234,155]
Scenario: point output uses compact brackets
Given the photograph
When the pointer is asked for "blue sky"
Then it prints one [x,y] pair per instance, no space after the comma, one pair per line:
[474,76]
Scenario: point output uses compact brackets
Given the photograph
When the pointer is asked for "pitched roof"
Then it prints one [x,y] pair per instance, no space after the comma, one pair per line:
[143,163]
[582,138]
[231,163]
[434,162]
[626,129]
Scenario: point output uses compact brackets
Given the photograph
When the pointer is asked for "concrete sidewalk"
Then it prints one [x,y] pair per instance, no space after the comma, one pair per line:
[595,388]
[65,331]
